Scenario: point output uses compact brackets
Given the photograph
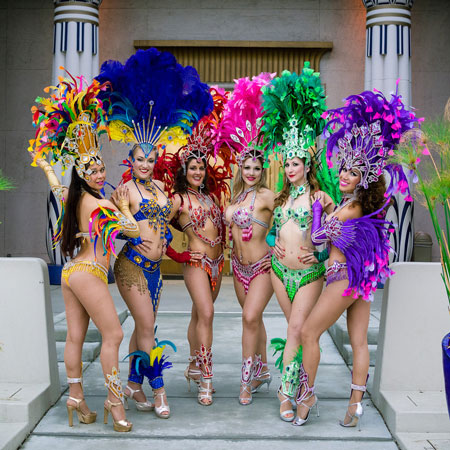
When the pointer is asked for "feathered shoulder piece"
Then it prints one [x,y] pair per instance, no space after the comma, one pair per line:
[152,99]
[241,124]
[365,132]
[293,106]
[68,124]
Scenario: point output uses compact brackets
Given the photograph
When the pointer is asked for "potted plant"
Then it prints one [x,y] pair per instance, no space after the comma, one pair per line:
[426,153]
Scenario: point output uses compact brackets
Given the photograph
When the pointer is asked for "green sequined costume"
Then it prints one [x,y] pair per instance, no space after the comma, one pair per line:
[294,279]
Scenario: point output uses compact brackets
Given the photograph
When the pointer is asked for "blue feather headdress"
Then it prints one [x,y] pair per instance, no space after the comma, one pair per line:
[152,100]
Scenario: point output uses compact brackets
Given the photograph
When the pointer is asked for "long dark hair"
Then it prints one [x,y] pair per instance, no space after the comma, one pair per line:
[70,225]
[181,184]
[372,198]
[314,186]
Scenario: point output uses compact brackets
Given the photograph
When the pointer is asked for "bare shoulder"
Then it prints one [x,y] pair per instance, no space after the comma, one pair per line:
[159,183]
[351,211]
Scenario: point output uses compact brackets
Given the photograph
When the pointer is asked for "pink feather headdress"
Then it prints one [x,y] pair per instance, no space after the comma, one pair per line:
[242,121]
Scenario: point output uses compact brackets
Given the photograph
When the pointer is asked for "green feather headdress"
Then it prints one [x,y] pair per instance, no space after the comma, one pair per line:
[293,106]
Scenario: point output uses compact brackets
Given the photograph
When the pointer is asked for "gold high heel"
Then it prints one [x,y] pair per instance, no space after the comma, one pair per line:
[115,386]
[85,418]
[122,426]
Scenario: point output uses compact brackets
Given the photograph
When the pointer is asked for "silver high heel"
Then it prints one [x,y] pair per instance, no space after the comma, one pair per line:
[260,376]
[159,410]
[189,374]
[307,393]
[284,414]
[246,379]
[355,419]
[140,406]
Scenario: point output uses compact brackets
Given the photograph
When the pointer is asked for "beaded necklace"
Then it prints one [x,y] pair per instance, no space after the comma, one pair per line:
[295,191]
[199,216]
[242,196]
[148,185]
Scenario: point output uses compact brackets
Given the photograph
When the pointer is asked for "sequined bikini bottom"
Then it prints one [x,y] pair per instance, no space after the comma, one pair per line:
[245,273]
[294,279]
[134,269]
[337,272]
[213,267]
[93,267]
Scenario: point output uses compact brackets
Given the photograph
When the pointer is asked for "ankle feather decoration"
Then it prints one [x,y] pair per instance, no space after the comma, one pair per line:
[134,375]
[152,365]
[114,384]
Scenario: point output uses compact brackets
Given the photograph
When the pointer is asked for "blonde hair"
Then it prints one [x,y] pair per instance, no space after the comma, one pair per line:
[239,185]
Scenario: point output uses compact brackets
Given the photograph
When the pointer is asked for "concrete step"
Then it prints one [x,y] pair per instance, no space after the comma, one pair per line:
[21,407]
[416,411]
[90,351]
[12,434]
[92,335]
[347,353]
[421,441]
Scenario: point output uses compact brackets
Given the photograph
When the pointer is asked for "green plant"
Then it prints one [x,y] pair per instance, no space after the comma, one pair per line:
[5,184]
[430,146]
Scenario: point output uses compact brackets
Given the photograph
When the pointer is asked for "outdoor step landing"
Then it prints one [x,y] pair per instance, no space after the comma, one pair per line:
[90,351]
[12,434]
[423,441]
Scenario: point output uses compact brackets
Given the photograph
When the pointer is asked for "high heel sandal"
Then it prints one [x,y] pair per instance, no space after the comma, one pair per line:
[307,393]
[85,418]
[159,410]
[204,361]
[355,419]
[115,386]
[190,373]
[288,389]
[260,376]
[140,406]
[284,414]
[246,380]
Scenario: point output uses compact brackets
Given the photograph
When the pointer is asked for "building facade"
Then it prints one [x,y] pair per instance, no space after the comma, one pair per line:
[335,32]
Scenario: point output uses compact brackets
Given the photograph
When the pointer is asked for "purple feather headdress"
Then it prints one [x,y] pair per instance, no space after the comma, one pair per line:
[365,132]
[242,122]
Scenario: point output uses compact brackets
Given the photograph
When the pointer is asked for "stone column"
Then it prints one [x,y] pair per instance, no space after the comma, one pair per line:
[388,46]
[388,59]
[75,47]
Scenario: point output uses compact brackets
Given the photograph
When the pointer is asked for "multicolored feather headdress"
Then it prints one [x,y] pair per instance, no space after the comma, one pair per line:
[241,124]
[68,124]
[293,105]
[370,127]
[153,100]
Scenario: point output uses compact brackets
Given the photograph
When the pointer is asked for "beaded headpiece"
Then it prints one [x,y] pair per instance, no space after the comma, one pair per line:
[201,143]
[153,100]
[241,124]
[293,105]
[68,125]
[370,127]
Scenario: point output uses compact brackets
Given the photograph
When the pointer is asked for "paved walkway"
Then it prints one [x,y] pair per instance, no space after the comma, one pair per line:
[225,424]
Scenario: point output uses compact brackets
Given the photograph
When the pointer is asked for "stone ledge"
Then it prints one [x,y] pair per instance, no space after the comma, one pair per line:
[421,441]
[12,434]
[415,411]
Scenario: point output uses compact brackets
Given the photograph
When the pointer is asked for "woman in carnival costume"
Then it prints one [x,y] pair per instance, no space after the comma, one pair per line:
[368,129]
[200,186]
[68,125]
[248,217]
[293,105]
[152,101]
